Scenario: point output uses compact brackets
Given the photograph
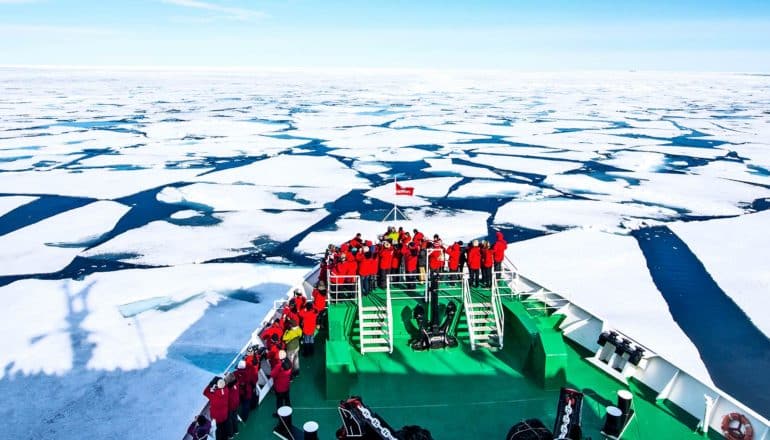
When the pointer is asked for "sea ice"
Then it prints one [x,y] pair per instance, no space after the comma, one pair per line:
[736,252]
[9,203]
[94,183]
[525,164]
[446,166]
[492,188]
[286,170]
[557,213]
[160,243]
[50,244]
[245,197]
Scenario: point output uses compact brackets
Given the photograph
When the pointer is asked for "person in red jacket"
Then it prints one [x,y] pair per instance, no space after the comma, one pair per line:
[453,259]
[233,403]
[499,250]
[219,400]
[386,261]
[487,261]
[274,351]
[281,375]
[253,360]
[347,268]
[435,258]
[309,326]
[319,297]
[246,388]
[300,300]
[275,328]
[418,237]
[474,262]
[411,258]
[367,270]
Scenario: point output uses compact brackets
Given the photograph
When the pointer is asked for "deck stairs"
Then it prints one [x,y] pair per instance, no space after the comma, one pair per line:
[483,318]
[375,324]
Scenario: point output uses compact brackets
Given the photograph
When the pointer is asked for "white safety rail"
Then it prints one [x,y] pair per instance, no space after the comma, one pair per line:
[497,308]
[342,287]
[467,306]
[667,379]
[405,285]
[375,325]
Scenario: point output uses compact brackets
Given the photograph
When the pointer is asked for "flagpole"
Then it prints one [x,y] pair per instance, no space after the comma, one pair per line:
[395,207]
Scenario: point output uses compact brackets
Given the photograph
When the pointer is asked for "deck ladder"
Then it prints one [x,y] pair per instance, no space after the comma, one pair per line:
[375,324]
[482,319]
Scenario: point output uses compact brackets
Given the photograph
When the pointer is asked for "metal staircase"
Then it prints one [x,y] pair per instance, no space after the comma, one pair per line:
[484,320]
[375,325]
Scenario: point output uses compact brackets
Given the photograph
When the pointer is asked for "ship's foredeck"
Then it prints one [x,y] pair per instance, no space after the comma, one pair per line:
[457,393]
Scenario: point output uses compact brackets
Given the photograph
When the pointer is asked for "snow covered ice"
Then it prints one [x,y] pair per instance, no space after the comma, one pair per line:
[149,218]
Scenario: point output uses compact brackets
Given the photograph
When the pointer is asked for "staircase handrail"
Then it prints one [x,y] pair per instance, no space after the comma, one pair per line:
[497,308]
[360,299]
[468,314]
[389,309]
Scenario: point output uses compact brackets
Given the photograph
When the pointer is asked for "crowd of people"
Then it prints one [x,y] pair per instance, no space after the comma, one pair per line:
[292,334]
[234,396]
[398,251]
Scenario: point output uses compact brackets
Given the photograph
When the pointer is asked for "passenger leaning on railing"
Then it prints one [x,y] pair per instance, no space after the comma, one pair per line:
[233,402]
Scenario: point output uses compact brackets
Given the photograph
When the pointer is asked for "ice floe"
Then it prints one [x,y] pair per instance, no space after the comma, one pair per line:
[447,166]
[494,188]
[9,203]
[525,164]
[736,252]
[49,245]
[558,213]
[289,170]
[160,243]
[613,283]
[94,183]
[246,197]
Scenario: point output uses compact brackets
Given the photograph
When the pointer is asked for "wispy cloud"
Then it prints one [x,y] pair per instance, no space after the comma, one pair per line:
[227,12]
[58,30]
[16,2]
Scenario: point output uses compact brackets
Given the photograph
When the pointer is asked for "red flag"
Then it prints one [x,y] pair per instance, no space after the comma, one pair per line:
[404,190]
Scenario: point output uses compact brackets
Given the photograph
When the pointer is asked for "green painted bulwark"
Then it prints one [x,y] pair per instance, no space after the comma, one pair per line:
[341,318]
[548,360]
[340,370]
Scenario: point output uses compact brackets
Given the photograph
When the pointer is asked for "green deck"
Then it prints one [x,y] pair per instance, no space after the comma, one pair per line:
[458,393]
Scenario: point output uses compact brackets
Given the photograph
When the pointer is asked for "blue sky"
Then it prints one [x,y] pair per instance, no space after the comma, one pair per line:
[474,34]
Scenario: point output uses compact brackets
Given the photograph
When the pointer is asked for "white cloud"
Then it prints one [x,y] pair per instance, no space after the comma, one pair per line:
[229,12]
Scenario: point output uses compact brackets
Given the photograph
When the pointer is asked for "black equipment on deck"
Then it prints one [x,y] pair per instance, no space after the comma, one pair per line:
[568,414]
[359,422]
[530,429]
[433,335]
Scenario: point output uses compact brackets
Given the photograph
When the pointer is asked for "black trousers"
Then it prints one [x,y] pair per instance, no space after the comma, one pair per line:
[474,277]
[382,276]
[282,399]
[486,276]
[223,430]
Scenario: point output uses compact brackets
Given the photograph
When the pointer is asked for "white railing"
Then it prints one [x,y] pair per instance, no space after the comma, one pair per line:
[497,308]
[360,300]
[389,310]
[339,286]
[410,281]
[468,316]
